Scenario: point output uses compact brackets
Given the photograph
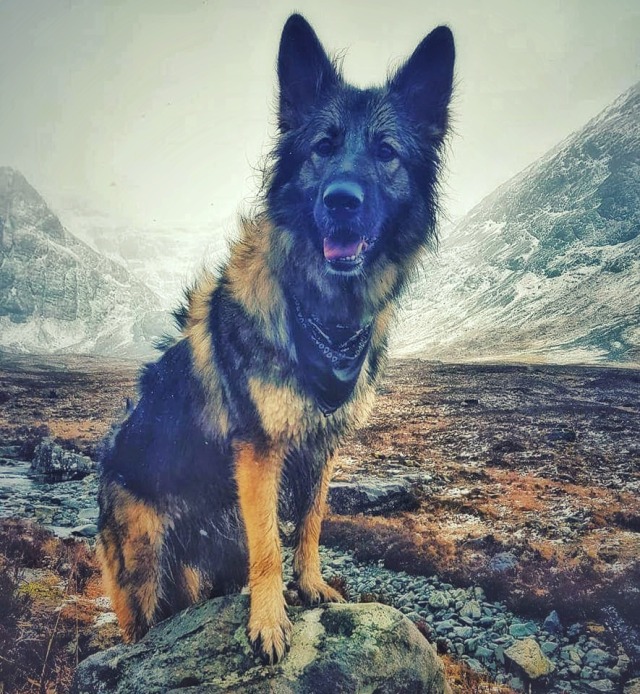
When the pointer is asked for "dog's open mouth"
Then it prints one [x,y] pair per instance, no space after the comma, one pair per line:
[344,255]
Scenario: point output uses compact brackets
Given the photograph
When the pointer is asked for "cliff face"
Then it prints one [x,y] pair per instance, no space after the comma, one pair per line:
[56,293]
[548,265]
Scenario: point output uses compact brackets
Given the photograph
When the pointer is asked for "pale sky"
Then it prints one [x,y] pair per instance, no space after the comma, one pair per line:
[155,111]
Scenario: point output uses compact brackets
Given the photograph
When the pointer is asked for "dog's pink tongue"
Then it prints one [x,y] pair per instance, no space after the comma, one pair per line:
[334,250]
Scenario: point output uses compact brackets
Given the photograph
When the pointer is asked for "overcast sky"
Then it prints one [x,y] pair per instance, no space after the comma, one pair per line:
[156,111]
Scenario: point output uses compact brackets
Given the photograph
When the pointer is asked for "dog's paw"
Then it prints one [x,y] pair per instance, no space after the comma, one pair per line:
[270,639]
[315,590]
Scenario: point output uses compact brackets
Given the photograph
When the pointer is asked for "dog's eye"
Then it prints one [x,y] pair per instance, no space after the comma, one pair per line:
[385,152]
[324,147]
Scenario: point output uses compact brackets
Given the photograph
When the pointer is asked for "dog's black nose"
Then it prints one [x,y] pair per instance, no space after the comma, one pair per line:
[343,197]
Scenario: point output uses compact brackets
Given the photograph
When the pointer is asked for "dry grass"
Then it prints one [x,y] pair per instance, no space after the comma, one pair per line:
[48,589]
[463,680]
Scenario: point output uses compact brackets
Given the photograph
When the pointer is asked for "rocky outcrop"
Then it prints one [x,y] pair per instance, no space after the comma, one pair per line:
[335,648]
[58,294]
[53,463]
[372,495]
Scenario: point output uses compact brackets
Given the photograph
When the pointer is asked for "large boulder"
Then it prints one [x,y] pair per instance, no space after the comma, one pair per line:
[337,649]
[527,658]
[53,463]
[372,496]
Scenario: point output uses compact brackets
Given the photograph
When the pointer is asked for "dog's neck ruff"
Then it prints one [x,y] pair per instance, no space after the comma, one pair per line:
[331,356]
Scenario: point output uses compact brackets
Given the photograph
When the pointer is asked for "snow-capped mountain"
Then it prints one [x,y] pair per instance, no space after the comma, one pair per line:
[548,266]
[166,259]
[57,294]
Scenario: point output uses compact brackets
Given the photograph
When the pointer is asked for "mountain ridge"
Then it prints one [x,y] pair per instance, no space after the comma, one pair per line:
[59,295]
[547,267]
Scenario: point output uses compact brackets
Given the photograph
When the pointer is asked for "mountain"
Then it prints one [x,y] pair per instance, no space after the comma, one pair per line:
[57,294]
[166,259]
[548,266]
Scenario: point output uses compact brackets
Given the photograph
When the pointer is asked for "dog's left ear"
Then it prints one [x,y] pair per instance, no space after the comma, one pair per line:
[425,81]
[304,71]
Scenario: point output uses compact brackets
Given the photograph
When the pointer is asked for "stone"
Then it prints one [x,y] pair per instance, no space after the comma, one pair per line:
[503,562]
[596,657]
[552,624]
[632,686]
[528,658]
[601,686]
[519,630]
[471,610]
[571,654]
[445,626]
[438,600]
[462,632]
[372,496]
[335,648]
[55,464]
[567,435]
[475,665]
[87,530]
[623,663]
[483,652]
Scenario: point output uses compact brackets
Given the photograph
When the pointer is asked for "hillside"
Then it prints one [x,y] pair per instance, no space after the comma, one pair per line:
[548,266]
[59,295]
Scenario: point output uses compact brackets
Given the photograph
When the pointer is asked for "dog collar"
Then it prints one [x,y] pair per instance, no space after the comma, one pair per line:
[331,357]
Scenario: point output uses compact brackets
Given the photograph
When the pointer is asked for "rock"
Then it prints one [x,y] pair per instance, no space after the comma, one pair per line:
[632,686]
[8,453]
[596,657]
[55,464]
[552,623]
[571,654]
[527,657]
[87,530]
[623,663]
[335,648]
[519,630]
[503,562]
[463,632]
[438,600]
[471,610]
[372,495]
[567,435]
[601,686]
[57,293]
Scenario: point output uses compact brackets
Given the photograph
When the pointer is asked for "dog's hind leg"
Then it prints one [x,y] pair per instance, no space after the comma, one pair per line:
[306,559]
[258,476]
[130,547]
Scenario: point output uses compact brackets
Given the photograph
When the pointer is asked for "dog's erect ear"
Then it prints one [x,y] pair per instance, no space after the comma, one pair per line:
[304,71]
[425,81]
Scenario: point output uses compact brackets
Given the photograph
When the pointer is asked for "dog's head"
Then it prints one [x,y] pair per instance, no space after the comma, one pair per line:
[354,170]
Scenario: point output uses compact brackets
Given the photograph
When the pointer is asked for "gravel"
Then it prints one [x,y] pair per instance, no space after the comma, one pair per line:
[479,631]
[466,624]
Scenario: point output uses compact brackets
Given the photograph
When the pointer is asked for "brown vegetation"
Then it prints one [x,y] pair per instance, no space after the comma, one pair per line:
[48,591]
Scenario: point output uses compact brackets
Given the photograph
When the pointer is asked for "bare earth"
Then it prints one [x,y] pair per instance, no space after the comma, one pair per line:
[541,463]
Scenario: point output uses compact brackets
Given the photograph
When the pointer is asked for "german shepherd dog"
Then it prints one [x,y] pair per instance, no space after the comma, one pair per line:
[280,352]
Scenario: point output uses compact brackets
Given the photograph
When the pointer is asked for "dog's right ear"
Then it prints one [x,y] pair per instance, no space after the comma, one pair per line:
[304,72]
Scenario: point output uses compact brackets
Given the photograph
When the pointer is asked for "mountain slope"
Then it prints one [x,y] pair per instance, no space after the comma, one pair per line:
[165,259]
[56,293]
[547,266]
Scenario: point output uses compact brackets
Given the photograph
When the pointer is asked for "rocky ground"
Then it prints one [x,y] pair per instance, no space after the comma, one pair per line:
[497,506]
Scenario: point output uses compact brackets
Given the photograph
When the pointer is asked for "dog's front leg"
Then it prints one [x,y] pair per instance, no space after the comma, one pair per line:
[306,559]
[258,476]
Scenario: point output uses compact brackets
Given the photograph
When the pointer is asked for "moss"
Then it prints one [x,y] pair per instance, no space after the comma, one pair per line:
[338,622]
[41,591]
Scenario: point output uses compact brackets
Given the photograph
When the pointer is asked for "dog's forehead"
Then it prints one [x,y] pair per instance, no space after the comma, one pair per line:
[355,109]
